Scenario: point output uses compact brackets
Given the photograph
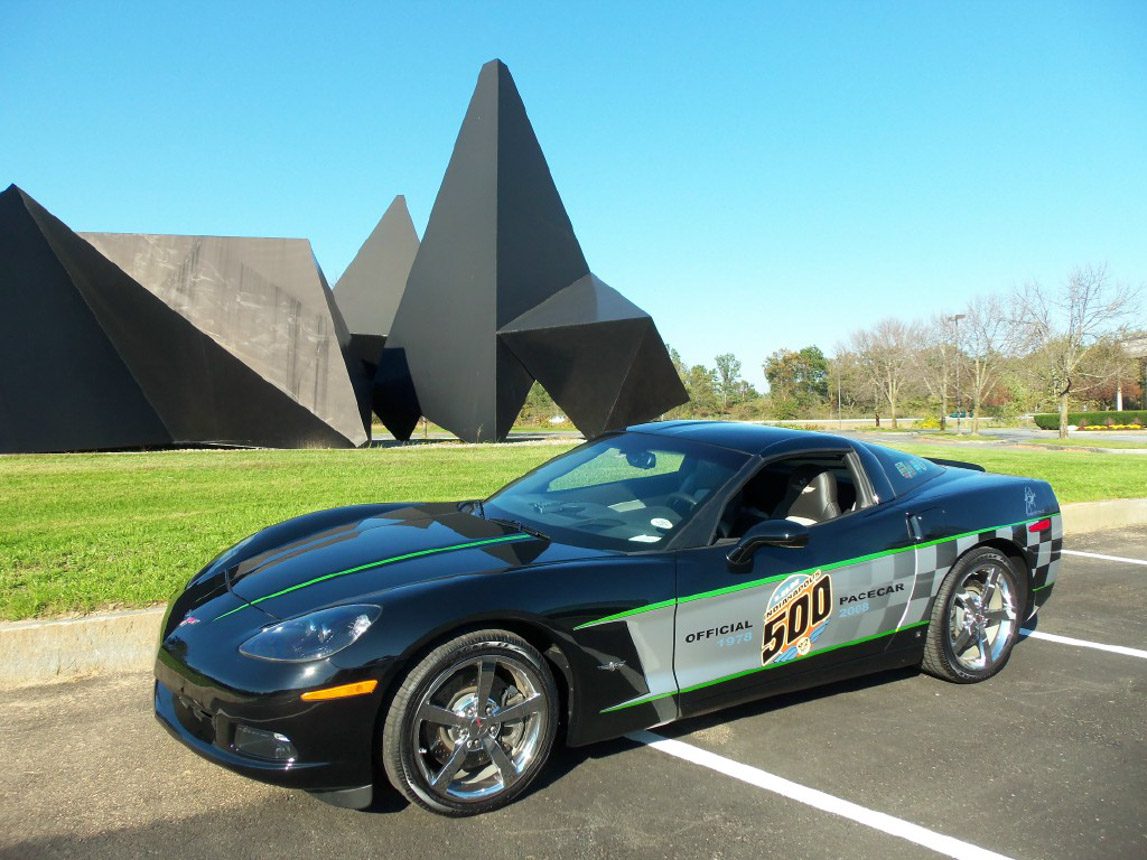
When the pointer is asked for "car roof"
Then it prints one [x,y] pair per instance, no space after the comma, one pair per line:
[738,435]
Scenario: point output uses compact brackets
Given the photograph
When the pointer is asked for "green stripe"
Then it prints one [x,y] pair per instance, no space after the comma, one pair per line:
[619,615]
[392,560]
[757,583]
[647,699]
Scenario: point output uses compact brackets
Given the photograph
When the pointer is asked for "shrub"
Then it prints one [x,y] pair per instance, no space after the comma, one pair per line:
[1050,420]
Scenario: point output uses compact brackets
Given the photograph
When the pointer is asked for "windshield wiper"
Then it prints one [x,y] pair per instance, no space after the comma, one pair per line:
[471,507]
[522,527]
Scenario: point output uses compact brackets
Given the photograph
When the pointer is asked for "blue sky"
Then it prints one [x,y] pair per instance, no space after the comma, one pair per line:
[754,175]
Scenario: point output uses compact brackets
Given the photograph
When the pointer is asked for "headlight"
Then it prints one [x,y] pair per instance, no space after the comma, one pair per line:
[311,637]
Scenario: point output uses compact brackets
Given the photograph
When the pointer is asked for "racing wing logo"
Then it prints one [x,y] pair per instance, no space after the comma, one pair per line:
[796,616]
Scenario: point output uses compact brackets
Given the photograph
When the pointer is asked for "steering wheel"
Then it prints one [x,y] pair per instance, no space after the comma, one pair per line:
[682,503]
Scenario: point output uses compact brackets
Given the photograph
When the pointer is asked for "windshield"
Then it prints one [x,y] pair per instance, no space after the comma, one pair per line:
[630,492]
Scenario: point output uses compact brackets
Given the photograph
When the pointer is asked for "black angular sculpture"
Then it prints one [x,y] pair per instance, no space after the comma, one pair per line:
[368,294]
[369,291]
[500,294]
[161,340]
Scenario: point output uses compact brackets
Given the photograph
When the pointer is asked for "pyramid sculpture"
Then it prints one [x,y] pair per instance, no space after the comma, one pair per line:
[368,294]
[122,341]
[370,289]
[500,294]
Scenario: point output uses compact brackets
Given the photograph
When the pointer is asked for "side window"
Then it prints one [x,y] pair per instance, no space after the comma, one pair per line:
[805,489]
[905,472]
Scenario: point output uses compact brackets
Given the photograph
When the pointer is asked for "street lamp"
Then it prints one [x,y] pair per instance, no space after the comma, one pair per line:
[959,410]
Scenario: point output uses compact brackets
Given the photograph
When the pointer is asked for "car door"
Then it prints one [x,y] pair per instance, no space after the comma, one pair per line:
[796,615]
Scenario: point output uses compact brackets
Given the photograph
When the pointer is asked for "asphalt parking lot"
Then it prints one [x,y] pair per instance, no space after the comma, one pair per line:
[1048,759]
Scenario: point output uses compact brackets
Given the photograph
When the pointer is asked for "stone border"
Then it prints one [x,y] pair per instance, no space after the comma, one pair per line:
[40,652]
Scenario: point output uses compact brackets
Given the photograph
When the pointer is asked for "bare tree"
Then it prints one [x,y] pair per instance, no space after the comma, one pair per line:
[987,338]
[937,365]
[1064,328]
[849,387]
[885,355]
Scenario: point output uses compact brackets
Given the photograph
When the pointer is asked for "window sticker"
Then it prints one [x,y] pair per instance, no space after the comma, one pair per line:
[913,467]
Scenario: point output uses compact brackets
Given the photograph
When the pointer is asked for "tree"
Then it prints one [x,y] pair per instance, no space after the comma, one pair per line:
[987,337]
[701,383]
[938,360]
[1066,328]
[885,357]
[798,378]
[728,379]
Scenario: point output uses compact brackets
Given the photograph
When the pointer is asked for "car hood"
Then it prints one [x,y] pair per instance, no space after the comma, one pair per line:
[390,548]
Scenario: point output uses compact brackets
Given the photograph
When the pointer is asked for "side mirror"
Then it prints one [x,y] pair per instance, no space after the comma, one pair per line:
[769,533]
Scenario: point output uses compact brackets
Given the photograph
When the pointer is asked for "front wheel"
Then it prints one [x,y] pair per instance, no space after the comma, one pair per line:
[472,724]
[976,618]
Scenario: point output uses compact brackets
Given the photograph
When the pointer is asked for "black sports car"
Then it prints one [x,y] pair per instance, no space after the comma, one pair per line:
[642,577]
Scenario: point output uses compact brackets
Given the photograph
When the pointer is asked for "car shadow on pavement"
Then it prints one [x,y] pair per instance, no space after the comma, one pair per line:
[785,700]
[564,760]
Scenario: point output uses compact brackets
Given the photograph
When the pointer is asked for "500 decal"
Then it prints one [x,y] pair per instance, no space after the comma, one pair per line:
[796,616]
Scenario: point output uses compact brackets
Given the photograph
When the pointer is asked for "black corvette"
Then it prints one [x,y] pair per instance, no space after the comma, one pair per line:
[643,577]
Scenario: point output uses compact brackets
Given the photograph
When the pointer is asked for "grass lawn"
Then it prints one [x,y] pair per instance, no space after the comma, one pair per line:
[86,531]
[1092,440]
[1076,476]
[90,531]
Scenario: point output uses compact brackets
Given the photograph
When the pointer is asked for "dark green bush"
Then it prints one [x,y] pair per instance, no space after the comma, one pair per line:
[1050,420]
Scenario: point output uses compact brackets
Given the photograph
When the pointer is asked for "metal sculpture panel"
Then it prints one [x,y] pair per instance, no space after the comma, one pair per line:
[500,294]
[165,340]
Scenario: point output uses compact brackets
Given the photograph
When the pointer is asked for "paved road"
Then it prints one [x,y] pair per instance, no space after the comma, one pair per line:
[1046,760]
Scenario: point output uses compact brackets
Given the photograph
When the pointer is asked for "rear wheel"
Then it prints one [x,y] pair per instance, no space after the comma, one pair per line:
[472,724]
[976,618]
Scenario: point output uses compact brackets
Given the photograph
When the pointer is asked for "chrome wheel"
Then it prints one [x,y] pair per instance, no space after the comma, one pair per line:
[982,616]
[480,726]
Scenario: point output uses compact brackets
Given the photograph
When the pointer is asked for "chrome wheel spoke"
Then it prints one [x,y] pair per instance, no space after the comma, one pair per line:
[997,616]
[962,642]
[500,759]
[519,711]
[453,764]
[441,716]
[985,647]
[991,578]
[485,683]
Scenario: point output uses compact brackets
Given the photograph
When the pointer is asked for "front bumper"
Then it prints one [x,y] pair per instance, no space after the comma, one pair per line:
[333,741]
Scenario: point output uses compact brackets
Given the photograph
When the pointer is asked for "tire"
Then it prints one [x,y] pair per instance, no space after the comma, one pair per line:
[968,641]
[445,756]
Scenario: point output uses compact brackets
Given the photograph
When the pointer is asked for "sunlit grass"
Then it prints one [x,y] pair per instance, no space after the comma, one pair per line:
[89,531]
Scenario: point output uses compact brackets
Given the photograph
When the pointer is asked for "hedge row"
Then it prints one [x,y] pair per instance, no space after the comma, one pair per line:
[1050,420]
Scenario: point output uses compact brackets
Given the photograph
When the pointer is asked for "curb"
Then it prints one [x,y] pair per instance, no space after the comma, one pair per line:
[42,652]
[1086,517]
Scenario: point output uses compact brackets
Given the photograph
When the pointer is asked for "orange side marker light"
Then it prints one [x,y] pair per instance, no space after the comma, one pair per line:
[361,688]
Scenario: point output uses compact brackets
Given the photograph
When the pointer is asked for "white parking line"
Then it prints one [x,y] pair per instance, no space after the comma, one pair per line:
[1083,643]
[1104,557]
[938,842]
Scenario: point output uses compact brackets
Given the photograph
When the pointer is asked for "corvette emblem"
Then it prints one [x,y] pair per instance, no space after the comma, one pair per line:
[190,619]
